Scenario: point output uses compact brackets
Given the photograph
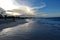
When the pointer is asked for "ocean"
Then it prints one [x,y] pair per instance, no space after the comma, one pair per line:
[33,29]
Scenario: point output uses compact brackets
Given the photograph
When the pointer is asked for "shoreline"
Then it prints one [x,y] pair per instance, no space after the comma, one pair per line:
[12,24]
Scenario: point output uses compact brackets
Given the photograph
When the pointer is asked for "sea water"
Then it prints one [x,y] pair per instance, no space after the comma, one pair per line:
[33,29]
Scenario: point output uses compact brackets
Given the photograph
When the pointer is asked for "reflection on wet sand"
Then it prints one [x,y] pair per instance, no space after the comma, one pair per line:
[32,30]
[19,30]
[12,24]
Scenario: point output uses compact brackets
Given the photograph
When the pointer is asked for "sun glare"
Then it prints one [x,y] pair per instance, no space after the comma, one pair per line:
[7,4]
[13,14]
[16,14]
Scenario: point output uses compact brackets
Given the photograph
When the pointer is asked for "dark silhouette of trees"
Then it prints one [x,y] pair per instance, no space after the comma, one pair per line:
[2,12]
[0,15]
[3,15]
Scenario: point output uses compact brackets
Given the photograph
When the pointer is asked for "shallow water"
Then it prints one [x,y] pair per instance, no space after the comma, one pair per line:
[36,29]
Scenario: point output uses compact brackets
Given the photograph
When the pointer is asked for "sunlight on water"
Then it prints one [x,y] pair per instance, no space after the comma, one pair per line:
[29,20]
[20,29]
[5,32]
[32,30]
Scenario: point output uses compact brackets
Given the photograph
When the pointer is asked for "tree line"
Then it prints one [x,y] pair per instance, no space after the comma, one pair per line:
[3,15]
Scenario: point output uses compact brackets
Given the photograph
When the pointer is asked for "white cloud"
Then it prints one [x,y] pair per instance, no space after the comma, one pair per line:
[22,7]
[42,14]
[26,9]
[42,5]
[7,4]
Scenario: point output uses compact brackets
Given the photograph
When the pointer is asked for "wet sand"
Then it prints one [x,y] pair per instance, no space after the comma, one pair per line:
[32,30]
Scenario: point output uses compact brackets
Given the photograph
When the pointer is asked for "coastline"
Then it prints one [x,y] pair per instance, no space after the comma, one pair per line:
[12,24]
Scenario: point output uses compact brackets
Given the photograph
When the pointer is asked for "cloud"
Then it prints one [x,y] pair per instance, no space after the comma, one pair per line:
[24,10]
[27,9]
[7,4]
[23,7]
[35,4]
[24,2]
[42,5]
[42,14]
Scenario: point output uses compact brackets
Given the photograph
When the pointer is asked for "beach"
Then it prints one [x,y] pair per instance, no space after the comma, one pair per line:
[33,29]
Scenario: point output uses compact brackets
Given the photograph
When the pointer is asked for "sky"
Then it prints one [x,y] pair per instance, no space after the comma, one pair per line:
[41,8]
[52,7]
